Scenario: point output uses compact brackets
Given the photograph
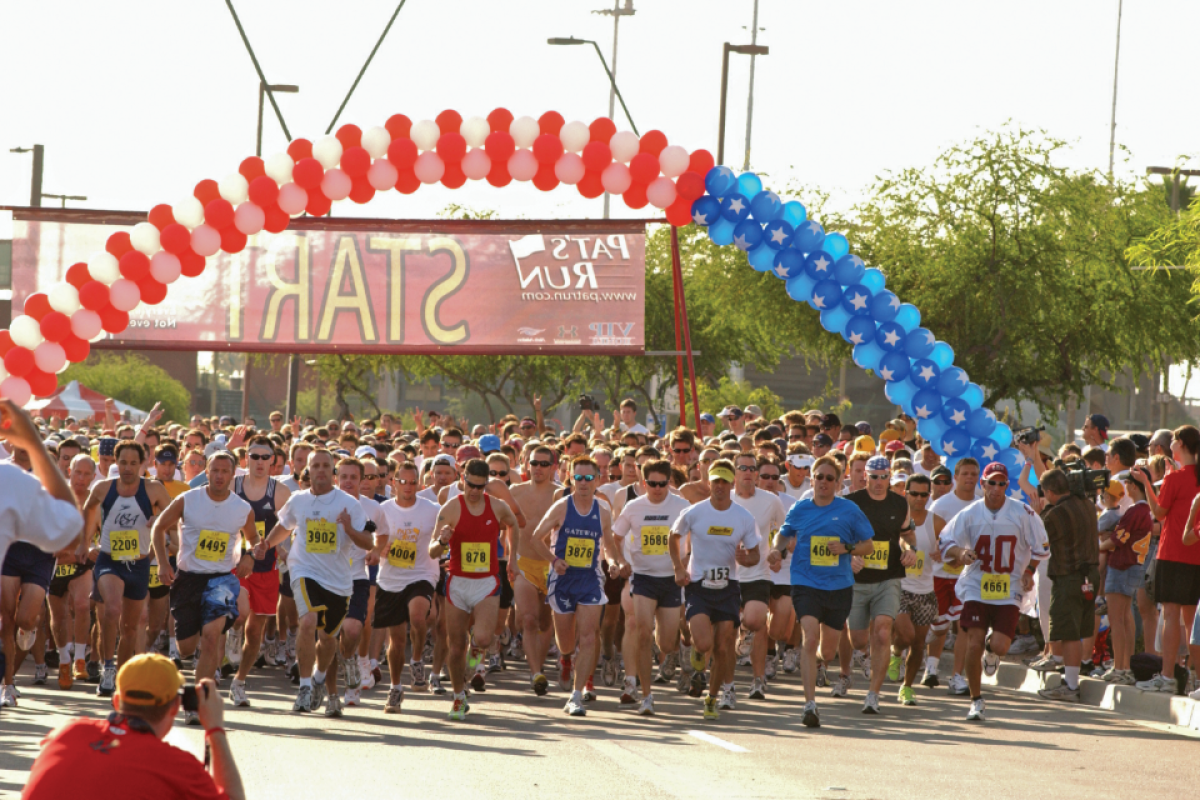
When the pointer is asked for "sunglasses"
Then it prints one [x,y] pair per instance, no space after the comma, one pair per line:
[767,477]
[996,483]
[658,484]
[479,487]
[918,494]
[681,451]
[830,478]
[450,445]
[745,468]
[535,463]
[883,477]
[370,476]
[941,483]
[495,473]
[260,457]
[588,478]
[407,482]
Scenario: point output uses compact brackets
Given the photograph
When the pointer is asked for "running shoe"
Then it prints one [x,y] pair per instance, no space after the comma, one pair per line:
[435,684]
[318,696]
[811,718]
[608,671]
[303,700]
[907,697]
[417,670]
[108,682]
[841,685]
[493,663]
[1046,664]
[25,639]
[394,699]
[683,679]
[895,665]
[65,679]
[333,706]
[233,646]
[871,703]
[1023,645]
[1157,684]
[698,660]
[574,706]
[564,672]
[746,644]
[758,689]
[975,714]
[770,669]
[293,673]
[629,692]
[931,679]
[1125,679]
[541,684]
[589,691]
[40,674]
[479,679]
[1062,693]
[670,664]
[991,663]
[458,711]
[861,660]
[8,696]
[958,686]
[647,707]
[710,708]
[94,672]
[791,660]
[698,684]
[728,699]
[822,675]
[353,674]
[237,694]
[353,697]
[80,671]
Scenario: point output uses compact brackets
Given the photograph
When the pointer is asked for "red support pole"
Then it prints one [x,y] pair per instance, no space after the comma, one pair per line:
[675,282]
[687,332]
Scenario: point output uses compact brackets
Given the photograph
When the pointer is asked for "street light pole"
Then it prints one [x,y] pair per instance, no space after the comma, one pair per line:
[742,49]
[616,12]
[35,182]
[571,40]
[275,87]
[1112,136]
[750,99]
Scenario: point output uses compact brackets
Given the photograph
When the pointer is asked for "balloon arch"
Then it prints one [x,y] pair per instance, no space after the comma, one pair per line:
[816,267]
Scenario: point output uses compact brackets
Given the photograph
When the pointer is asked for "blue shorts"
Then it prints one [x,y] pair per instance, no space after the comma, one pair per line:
[135,575]
[373,574]
[28,563]
[1125,581]
[359,597]
[198,598]
[565,592]
[719,605]
[664,591]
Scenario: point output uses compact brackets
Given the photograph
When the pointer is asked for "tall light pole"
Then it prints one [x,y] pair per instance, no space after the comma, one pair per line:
[35,183]
[743,49]
[750,98]
[616,12]
[1112,136]
[285,88]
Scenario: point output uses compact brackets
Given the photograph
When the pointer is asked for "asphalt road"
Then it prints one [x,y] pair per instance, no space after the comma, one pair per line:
[514,745]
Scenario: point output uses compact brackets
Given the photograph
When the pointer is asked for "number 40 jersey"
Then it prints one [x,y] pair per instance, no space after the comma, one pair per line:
[1005,541]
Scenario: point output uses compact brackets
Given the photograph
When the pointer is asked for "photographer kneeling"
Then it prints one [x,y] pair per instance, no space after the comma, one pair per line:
[124,756]
[1070,520]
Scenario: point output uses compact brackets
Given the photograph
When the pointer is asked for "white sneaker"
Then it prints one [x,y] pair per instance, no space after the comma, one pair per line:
[728,699]
[1125,678]
[746,645]
[861,660]
[353,697]
[841,685]
[791,660]
[647,708]
[574,706]
[871,704]
[1023,645]
[976,712]
[8,696]
[958,685]
[1157,684]
[26,639]
[758,689]
[237,694]
[770,671]
[991,663]
[629,691]
[233,646]
[353,677]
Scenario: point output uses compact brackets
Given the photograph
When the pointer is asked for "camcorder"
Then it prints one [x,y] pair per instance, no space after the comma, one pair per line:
[1083,482]
[1028,435]
[587,402]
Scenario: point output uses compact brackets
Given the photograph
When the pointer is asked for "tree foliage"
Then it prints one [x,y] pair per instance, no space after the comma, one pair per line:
[132,379]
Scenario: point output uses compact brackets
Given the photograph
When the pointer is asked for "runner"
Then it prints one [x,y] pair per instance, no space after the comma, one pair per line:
[166,459]
[781,627]
[946,574]
[530,584]
[71,589]
[918,601]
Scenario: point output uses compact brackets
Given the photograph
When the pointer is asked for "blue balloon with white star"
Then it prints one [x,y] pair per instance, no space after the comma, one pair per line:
[973,395]
[956,442]
[800,286]
[857,299]
[894,366]
[788,262]
[953,381]
[908,317]
[735,207]
[749,184]
[1002,435]
[719,181]
[849,269]
[873,279]
[721,231]
[766,206]
[925,374]
[932,429]
[890,337]
[1012,459]
[884,306]
[899,392]
[867,355]
[954,413]
[836,245]
[762,258]
[984,450]
[819,265]
[747,234]
[942,354]
[859,329]
[809,236]
[794,213]
[919,343]
[834,319]
[826,294]
[980,422]
[778,234]
[927,403]
[705,210]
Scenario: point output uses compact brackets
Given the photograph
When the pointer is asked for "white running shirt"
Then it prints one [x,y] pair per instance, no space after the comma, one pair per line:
[784,576]
[946,507]
[210,533]
[406,559]
[715,538]
[645,529]
[1005,541]
[321,550]
[768,517]
[918,579]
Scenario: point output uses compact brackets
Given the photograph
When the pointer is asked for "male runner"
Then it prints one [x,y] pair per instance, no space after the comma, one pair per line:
[946,574]
[781,626]
[918,601]
[71,589]
[531,574]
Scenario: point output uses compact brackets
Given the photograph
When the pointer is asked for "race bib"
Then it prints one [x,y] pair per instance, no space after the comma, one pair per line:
[124,545]
[320,537]
[715,578]
[818,551]
[580,552]
[951,569]
[917,569]
[714,530]
[155,581]
[212,546]
[879,556]
[64,570]
[402,554]
[654,540]
[995,587]
[261,527]
[476,556]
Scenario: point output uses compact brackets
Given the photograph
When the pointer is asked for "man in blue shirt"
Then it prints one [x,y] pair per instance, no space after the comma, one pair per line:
[823,534]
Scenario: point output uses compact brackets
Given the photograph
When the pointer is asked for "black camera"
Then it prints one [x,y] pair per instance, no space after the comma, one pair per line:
[587,402]
[1081,481]
[189,699]
[1028,435]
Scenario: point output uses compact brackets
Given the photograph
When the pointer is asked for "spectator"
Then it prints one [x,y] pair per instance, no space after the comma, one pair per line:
[1095,431]
[1126,548]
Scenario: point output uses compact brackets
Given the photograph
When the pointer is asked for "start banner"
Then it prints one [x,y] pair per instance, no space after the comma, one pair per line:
[377,286]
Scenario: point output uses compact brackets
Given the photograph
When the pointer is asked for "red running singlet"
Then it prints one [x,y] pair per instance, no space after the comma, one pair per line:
[474,542]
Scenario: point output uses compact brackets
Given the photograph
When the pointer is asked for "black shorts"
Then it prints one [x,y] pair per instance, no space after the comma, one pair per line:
[285,584]
[157,589]
[391,608]
[198,598]
[31,565]
[506,590]
[330,608]
[664,591]
[759,591]
[613,587]
[440,589]
[64,574]
[779,590]
[1176,582]
[360,597]
[830,607]
[719,605]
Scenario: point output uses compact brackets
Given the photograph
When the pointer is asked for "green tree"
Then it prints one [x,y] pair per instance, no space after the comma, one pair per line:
[132,379]
[728,392]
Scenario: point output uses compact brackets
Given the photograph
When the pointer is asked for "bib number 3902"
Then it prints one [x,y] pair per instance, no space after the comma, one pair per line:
[320,537]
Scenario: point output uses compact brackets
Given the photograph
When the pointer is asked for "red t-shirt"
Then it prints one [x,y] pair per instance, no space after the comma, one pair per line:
[115,763]
[1178,490]
[1132,537]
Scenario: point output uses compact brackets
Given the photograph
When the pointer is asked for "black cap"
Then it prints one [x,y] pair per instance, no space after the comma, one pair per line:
[823,439]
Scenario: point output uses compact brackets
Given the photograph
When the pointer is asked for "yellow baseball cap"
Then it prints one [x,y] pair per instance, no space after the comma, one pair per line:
[721,473]
[149,679]
[890,435]
[865,443]
[1115,490]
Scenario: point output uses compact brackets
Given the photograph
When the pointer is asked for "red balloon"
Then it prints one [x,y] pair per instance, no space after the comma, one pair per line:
[402,152]
[701,162]
[118,244]
[308,173]
[318,206]
[300,149]
[93,295]
[643,168]
[653,142]
[398,126]
[6,343]
[135,265]
[37,306]
[76,349]
[551,122]
[175,238]
[153,292]
[41,384]
[277,219]
[263,192]
[499,175]
[547,149]
[349,135]
[453,177]
[356,161]
[679,213]
[206,191]
[219,213]
[112,320]
[191,264]
[602,129]
[451,147]
[161,216]
[448,122]
[499,146]
[233,240]
[78,275]
[500,119]
[407,182]
[635,196]
[18,362]
[596,156]
[252,168]
[361,190]
[545,179]
[590,185]
[689,186]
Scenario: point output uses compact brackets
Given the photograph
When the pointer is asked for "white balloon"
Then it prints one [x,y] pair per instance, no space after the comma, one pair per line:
[85,324]
[673,161]
[336,185]
[248,218]
[144,238]
[64,298]
[50,357]
[327,150]
[206,241]
[475,130]
[425,134]
[429,167]
[616,178]
[124,295]
[575,136]
[16,389]
[104,267]
[376,140]
[25,332]
[661,192]
[522,165]
[234,188]
[164,268]
[189,213]
[382,175]
[476,164]
[624,145]
[524,130]
[292,199]
[278,168]
[569,169]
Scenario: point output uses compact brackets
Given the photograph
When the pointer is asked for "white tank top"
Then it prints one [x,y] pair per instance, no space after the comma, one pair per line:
[125,529]
[211,532]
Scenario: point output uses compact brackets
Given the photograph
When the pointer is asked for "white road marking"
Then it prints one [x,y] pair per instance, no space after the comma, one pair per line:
[708,737]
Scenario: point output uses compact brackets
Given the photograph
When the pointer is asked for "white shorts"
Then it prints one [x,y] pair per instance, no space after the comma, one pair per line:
[466,593]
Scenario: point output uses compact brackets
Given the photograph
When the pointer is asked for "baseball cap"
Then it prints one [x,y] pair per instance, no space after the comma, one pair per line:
[489,443]
[890,435]
[823,439]
[706,417]
[1162,437]
[108,446]
[149,679]
[529,420]
[365,450]
[731,412]
[1115,489]
[444,459]
[217,445]
[467,452]
[863,428]
[995,468]
[720,472]
[1101,422]
[1140,440]
[865,443]
[893,445]
[900,478]
[939,472]
[878,463]
[801,461]
[753,409]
